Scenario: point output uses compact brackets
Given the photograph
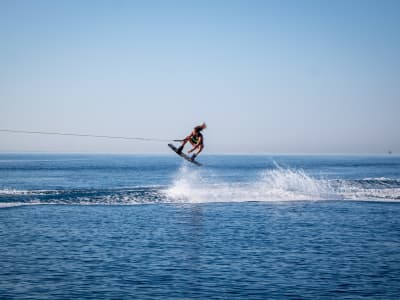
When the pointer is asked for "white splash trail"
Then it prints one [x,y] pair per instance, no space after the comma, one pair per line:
[279,184]
[272,185]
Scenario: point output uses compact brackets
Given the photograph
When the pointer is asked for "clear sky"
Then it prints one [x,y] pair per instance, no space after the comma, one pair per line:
[266,76]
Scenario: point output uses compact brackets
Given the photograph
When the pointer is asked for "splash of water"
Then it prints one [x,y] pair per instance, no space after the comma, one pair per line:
[278,184]
[272,185]
[202,186]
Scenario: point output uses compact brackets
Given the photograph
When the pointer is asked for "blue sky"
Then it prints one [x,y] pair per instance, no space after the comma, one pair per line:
[266,76]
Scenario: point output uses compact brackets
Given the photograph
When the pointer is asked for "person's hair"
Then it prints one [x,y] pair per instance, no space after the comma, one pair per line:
[200,127]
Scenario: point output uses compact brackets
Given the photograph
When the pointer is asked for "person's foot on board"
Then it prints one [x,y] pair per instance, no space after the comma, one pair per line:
[179,150]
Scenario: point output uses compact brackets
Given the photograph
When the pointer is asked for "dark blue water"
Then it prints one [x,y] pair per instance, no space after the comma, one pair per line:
[242,227]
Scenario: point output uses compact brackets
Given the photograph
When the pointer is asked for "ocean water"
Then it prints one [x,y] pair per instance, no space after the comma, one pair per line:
[76,226]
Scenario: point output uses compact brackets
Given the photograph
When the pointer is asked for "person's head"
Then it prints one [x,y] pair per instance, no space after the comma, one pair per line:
[199,128]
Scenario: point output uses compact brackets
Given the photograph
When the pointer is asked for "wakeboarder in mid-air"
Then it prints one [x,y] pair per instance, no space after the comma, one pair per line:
[196,139]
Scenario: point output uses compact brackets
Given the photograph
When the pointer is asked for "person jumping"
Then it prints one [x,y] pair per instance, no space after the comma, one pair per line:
[196,139]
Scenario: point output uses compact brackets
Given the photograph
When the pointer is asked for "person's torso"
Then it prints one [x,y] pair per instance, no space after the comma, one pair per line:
[196,137]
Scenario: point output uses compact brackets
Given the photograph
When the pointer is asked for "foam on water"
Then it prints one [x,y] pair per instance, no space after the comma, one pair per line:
[201,185]
[271,185]
[16,192]
[276,185]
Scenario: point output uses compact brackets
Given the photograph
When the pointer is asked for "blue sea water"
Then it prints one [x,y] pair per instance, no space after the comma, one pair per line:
[75,226]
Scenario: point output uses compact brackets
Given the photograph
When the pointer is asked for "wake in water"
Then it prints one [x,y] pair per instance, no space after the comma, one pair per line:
[203,185]
[272,185]
[278,185]
[139,195]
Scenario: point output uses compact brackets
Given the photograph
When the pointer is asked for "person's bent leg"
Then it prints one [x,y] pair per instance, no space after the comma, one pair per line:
[179,150]
[201,147]
[198,152]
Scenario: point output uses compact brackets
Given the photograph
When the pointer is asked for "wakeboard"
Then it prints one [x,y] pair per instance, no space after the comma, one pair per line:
[184,156]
